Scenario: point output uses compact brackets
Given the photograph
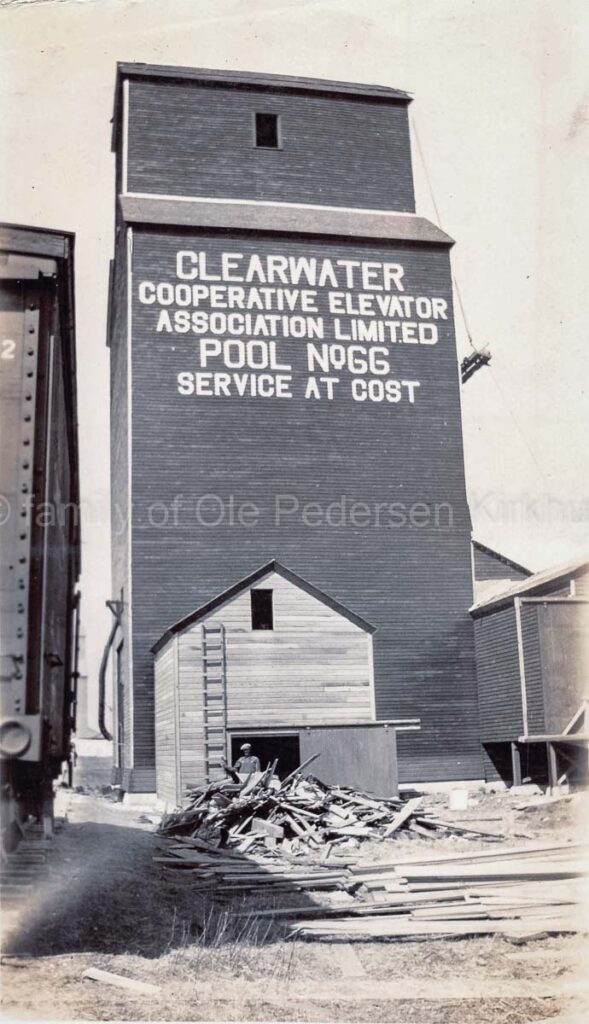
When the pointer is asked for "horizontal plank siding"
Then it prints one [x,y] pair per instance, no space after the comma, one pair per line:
[191,137]
[581,584]
[532,668]
[413,584]
[165,725]
[191,712]
[189,140]
[487,565]
[314,666]
[499,681]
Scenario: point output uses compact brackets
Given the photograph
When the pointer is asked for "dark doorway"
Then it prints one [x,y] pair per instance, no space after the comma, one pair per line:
[268,748]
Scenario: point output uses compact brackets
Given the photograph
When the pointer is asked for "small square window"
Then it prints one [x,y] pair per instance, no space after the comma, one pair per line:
[267,132]
[262,611]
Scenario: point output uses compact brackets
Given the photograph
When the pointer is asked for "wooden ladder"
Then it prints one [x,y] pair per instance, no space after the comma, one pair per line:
[214,677]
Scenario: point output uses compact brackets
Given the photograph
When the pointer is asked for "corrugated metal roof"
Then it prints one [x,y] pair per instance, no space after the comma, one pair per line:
[534,582]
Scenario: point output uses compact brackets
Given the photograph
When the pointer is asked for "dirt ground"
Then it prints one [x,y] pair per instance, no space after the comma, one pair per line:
[106,904]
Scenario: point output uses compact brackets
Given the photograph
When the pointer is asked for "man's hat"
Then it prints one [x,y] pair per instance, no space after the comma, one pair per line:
[245,746]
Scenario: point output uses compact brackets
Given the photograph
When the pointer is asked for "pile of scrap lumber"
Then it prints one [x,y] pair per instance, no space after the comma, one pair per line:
[519,892]
[300,814]
[223,872]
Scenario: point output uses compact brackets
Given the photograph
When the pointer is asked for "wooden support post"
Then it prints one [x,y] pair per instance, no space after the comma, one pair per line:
[516,765]
[47,816]
[552,766]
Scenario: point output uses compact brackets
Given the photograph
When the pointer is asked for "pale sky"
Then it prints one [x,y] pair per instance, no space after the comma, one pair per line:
[501,108]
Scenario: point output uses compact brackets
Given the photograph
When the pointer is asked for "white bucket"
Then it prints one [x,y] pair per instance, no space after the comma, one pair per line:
[458,799]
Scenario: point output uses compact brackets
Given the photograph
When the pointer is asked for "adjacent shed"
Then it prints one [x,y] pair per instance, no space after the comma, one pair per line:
[276,662]
[493,573]
[532,651]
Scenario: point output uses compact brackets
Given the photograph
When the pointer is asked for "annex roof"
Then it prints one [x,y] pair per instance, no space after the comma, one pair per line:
[535,582]
[265,570]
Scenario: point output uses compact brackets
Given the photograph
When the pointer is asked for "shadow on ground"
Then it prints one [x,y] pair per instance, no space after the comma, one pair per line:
[106,895]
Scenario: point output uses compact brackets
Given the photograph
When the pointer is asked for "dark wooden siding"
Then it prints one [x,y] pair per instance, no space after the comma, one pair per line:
[488,566]
[412,582]
[192,140]
[532,668]
[498,676]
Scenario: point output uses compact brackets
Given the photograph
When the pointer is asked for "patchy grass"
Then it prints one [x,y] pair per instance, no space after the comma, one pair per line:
[108,905]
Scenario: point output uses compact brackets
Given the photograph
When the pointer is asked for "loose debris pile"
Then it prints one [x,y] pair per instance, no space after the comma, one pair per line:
[268,837]
[300,815]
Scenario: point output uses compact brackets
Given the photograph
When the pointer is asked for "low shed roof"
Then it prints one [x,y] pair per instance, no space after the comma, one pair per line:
[248,581]
[532,584]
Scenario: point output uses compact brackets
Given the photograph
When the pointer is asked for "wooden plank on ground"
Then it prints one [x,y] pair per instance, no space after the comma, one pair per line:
[348,961]
[129,984]
[497,872]
[401,816]
[472,857]
[385,927]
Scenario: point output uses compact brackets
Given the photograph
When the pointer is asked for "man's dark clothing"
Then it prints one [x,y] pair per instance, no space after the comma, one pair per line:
[246,764]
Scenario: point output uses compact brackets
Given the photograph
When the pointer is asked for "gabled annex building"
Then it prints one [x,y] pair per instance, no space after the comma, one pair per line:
[275,662]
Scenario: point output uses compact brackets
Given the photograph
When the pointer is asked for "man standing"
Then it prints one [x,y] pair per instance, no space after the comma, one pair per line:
[247,763]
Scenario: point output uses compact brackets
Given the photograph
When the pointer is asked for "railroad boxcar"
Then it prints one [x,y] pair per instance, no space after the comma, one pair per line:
[39,519]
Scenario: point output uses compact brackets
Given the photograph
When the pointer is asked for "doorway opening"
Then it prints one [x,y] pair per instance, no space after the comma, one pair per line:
[285,747]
